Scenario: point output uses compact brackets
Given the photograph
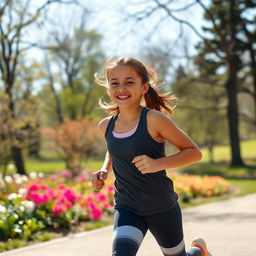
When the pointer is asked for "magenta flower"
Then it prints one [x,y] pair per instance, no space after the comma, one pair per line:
[61,186]
[70,195]
[39,193]
[96,213]
[101,197]
[110,188]
[57,209]
[91,205]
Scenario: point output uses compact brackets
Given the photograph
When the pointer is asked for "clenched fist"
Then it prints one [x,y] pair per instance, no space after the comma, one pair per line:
[98,179]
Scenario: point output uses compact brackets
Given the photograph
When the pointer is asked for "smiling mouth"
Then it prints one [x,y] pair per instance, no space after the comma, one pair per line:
[123,97]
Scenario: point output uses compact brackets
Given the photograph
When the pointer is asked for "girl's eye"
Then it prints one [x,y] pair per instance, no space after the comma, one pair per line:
[114,84]
[130,82]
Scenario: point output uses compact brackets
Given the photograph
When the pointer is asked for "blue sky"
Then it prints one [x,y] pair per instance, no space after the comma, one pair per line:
[125,37]
[122,37]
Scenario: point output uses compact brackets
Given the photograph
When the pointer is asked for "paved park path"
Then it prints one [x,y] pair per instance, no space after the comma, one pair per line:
[229,227]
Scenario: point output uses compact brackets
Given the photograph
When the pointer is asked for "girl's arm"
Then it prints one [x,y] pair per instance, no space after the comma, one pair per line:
[165,128]
[107,165]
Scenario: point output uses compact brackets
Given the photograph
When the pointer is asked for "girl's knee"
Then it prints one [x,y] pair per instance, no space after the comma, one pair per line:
[178,250]
[126,240]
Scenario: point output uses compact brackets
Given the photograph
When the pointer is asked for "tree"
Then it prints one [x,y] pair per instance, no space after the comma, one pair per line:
[226,33]
[16,17]
[76,56]
[74,140]
[225,42]
[204,106]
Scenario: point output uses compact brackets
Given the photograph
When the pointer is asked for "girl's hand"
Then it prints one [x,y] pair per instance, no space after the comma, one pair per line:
[145,164]
[98,179]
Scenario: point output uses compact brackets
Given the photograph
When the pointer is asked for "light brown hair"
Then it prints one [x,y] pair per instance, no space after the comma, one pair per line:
[153,98]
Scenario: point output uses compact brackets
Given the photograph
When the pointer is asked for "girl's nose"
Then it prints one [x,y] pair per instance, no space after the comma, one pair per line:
[122,86]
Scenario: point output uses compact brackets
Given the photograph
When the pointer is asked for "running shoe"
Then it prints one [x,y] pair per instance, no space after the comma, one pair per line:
[200,243]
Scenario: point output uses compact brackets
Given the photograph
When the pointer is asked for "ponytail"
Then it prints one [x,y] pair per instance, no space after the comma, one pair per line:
[159,101]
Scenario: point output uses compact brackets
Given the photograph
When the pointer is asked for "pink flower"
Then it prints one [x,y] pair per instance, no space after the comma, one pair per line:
[57,209]
[53,177]
[61,186]
[106,205]
[33,187]
[96,213]
[69,194]
[66,174]
[101,197]
[91,205]
[81,178]
[110,188]
[39,193]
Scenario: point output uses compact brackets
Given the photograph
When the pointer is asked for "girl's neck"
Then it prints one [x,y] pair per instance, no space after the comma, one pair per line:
[129,114]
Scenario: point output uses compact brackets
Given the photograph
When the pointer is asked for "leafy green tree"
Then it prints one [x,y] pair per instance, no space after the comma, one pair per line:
[223,49]
[201,109]
[77,56]
[222,40]
[16,18]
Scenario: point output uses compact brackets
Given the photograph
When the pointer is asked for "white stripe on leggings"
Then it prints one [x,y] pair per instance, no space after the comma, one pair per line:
[130,232]
[173,250]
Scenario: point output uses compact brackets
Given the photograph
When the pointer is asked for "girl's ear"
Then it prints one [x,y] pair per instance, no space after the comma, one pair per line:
[145,88]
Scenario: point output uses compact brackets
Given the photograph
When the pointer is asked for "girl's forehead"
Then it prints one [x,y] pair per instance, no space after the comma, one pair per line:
[122,71]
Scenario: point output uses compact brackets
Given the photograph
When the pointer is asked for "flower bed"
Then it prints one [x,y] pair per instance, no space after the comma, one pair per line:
[30,204]
[192,186]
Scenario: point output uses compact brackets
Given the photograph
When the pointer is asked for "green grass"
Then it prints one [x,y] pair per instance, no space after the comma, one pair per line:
[218,169]
[50,162]
[51,165]
[222,152]
[11,244]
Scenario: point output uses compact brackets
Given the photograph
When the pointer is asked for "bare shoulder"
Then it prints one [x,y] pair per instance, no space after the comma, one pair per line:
[156,122]
[155,118]
[103,124]
[166,128]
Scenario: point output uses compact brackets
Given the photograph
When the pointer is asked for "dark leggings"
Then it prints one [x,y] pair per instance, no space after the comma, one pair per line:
[166,227]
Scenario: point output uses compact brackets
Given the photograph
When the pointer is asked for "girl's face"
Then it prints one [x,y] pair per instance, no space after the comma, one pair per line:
[124,86]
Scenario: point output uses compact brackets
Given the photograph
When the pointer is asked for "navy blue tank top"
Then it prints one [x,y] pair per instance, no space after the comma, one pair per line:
[143,194]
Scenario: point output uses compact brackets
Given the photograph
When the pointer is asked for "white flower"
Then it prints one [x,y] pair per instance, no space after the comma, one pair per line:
[22,191]
[8,179]
[18,180]
[33,175]
[29,206]
[13,196]
[16,175]
[40,175]
[2,209]
[10,167]
[17,230]
[22,208]
[24,178]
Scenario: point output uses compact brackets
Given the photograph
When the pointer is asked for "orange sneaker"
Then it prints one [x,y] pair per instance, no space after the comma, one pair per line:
[200,243]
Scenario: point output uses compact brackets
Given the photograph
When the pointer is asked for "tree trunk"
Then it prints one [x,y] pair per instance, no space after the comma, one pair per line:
[18,160]
[231,87]
[16,151]
[210,151]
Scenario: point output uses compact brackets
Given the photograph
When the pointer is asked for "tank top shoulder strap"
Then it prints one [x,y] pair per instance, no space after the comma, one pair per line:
[143,120]
[110,124]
